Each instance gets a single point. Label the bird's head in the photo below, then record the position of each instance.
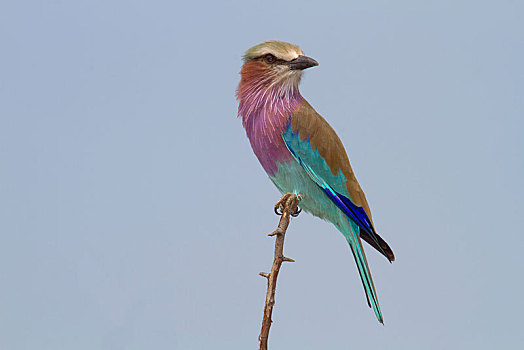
(274, 64)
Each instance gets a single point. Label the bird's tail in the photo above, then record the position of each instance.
(351, 232)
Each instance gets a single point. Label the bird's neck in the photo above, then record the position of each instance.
(267, 102)
(265, 106)
(264, 98)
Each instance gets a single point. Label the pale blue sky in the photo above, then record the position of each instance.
(133, 213)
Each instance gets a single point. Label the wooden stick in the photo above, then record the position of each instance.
(288, 207)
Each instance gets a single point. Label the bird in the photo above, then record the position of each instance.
(301, 153)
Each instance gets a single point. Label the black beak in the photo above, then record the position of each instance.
(302, 62)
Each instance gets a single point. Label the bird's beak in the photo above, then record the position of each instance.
(302, 62)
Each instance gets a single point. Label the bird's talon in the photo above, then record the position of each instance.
(287, 201)
(278, 209)
(295, 214)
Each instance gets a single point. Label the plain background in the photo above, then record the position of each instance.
(133, 214)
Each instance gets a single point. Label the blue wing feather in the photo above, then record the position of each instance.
(333, 185)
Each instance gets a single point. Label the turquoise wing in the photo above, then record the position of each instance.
(334, 186)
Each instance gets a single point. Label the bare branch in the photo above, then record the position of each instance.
(287, 206)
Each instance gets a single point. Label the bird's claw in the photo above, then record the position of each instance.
(295, 214)
(284, 202)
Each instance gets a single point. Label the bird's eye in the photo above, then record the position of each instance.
(270, 58)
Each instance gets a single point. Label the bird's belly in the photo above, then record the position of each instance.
(291, 177)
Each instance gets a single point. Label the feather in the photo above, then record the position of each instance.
(316, 145)
(350, 227)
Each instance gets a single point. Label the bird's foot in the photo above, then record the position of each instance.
(288, 200)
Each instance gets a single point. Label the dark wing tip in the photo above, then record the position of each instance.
(379, 245)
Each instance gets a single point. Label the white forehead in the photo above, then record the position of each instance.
(279, 49)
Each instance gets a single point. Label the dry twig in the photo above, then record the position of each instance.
(287, 206)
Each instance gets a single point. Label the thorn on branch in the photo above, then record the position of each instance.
(277, 232)
(288, 259)
(264, 274)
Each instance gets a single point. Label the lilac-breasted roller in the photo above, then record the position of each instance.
(301, 152)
